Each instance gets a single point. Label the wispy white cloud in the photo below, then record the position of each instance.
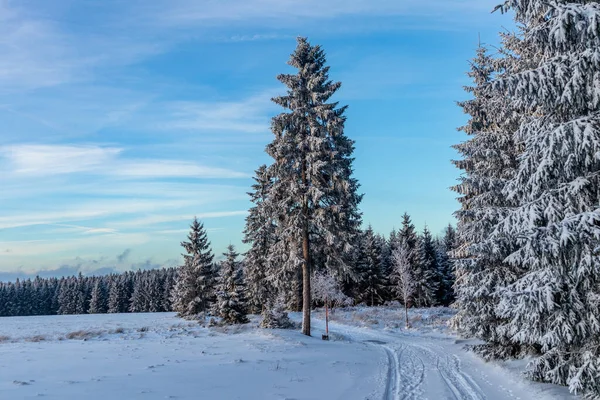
(257, 11)
(163, 218)
(33, 248)
(84, 229)
(181, 232)
(56, 214)
(43, 160)
(172, 169)
(57, 159)
(250, 114)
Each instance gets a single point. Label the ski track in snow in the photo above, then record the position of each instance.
(422, 367)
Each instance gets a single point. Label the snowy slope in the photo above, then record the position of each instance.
(158, 356)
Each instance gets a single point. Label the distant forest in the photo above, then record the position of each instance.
(155, 290)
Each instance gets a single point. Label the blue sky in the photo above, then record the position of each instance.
(121, 120)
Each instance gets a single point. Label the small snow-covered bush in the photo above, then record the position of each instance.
(276, 317)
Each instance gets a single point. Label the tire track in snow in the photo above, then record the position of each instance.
(406, 366)
(461, 385)
(392, 384)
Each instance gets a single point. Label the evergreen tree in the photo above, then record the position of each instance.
(137, 302)
(194, 285)
(118, 299)
(312, 198)
(426, 271)
(66, 298)
(445, 293)
(489, 160)
(231, 304)
(371, 283)
(407, 235)
(554, 304)
(274, 315)
(262, 280)
(98, 300)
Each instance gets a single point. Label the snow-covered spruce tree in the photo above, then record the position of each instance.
(98, 301)
(152, 285)
(274, 315)
(445, 293)
(231, 304)
(194, 285)
(370, 284)
(403, 275)
(66, 298)
(118, 301)
(406, 234)
(259, 233)
(488, 161)
(137, 302)
(425, 271)
(313, 197)
(554, 306)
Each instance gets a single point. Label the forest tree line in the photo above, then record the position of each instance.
(140, 291)
(177, 289)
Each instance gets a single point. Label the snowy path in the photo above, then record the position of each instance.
(421, 366)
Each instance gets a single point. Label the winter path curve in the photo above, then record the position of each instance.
(435, 366)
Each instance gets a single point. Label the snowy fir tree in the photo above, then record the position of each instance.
(274, 315)
(553, 306)
(194, 284)
(231, 304)
(118, 298)
(99, 300)
(408, 235)
(403, 275)
(371, 282)
(444, 246)
(488, 160)
(312, 199)
(425, 271)
(259, 233)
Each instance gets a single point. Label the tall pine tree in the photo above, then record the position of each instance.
(313, 199)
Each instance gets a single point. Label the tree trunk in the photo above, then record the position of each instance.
(299, 291)
(306, 300)
(306, 303)
(406, 311)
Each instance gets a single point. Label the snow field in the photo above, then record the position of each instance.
(158, 356)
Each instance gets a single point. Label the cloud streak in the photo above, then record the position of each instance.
(257, 11)
(44, 160)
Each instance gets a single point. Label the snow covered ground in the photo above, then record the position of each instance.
(158, 356)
